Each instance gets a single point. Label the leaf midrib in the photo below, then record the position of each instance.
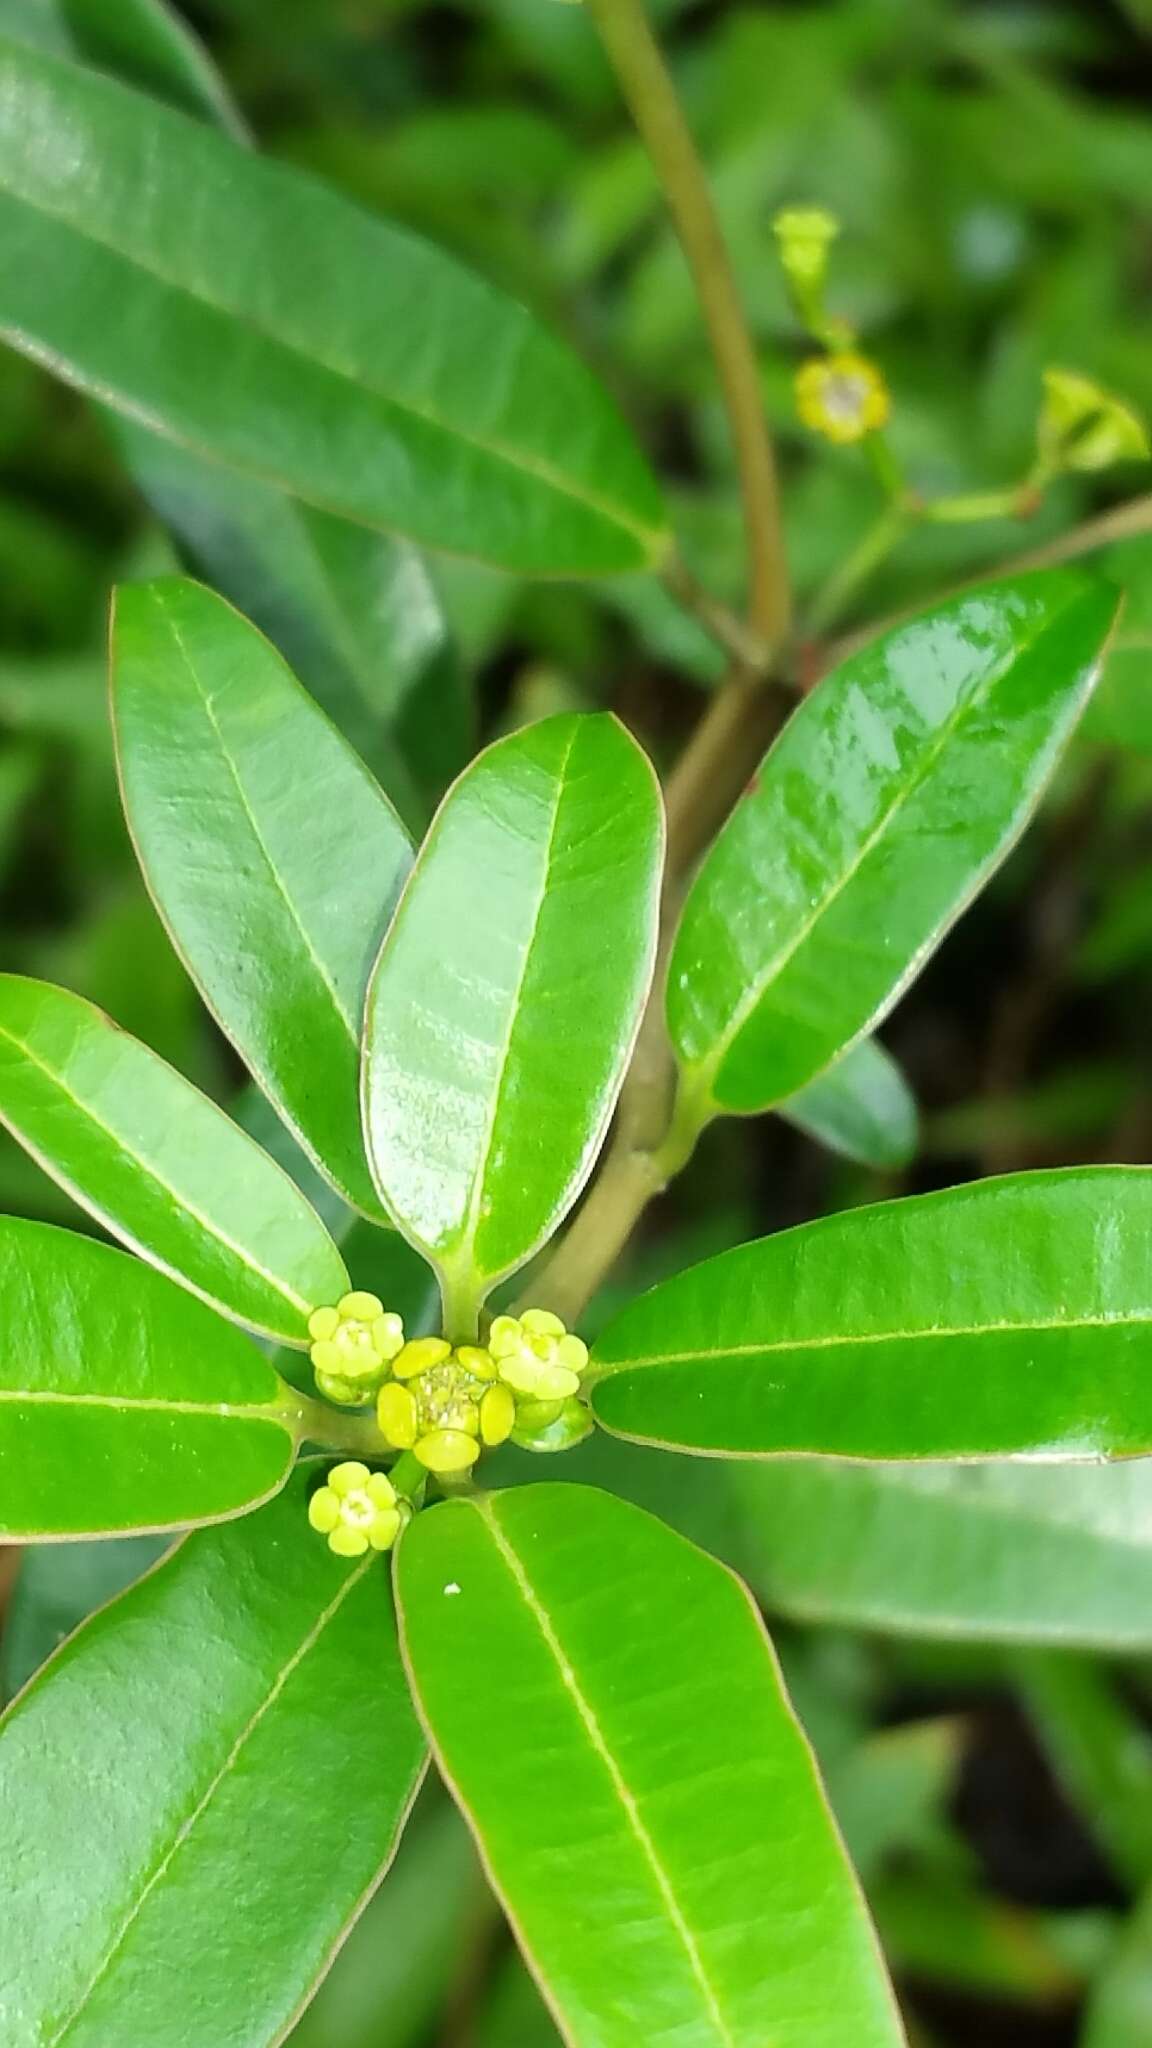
(240, 1411)
(772, 971)
(606, 1368)
(471, 1224)
(211, 1229)
(347, 1023)
(187, 1828)
(541, 471)
(629, 1803)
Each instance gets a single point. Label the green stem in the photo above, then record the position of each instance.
(1122, 522)
(335, 1429)
(885, 467)
(876, 544)
(409, 1477)
(728, 631)
(976, 506)
(460, 1305)
(647, 87)
(627, 1183)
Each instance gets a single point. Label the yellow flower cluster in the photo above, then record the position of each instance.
(445, 1405)
(442, 1403)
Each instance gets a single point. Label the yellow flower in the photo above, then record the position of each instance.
(844, 397)
(536, 1356)
(352, 1345)
(1082, 426)
(357, 1510)
(444, 1405)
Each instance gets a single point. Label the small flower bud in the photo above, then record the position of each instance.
(805, 235)
(357, 1510)
(536, 1356)
(1083, 427)
(352, 1345)
(557, 1427)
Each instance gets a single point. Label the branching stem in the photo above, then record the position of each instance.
(651, 96)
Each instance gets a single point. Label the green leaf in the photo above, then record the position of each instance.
(353, 612)
(239, 1724)
(1119, 2013)
(1099, 1750)
(273, 857)
(890, 796)
(123, 1404)
(292, 336)
(861, 1106)
(1011, 1317)
(507, 995)
(940, 1929)
(390, 1981)
(58, 1585)
(1010, 1551)
(141, 41)
(159, 1164)
(574, 1660)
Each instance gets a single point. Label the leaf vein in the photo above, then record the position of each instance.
(620, 1786)
(212, 1229)
(535, 466)
(282, 1678)
(346, 1021)
(607, 1367)
(772, 970)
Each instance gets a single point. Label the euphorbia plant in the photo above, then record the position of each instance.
(201, 1788)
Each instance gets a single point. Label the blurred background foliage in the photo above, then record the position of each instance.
(970, 1650)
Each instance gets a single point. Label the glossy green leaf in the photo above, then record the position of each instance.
(57, 1587)
(354, 613)
(238, 1728)
(123, 1403)
(272, 855)
(292, 336)
(143, 42)
(159, 1164)
(506, 999)
(1009, 1317)
(1007, 1552)
(351, 610)
(393, 1978)
(886, 802)
(574, 1662)
(861, 1106)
